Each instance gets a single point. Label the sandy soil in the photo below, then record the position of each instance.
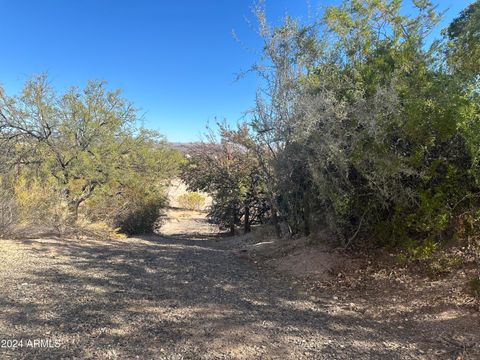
(190, 224)
(439, 315)
(188, 295)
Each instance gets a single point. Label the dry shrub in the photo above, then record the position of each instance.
(84, 228)
(191, 201)
(40, 205)
(475, 286)
(8, 212)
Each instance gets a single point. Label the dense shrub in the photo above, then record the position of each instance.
(141, 217)
(135, 208)
(228, 171)
(8, 211)
(362, 128)
(82, 155)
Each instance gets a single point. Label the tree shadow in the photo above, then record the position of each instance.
(154, 297)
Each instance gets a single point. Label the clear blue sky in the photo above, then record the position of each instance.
(176, 60)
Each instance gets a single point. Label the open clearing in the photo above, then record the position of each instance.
(179, 297)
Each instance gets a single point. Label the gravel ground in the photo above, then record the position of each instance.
(171, 298)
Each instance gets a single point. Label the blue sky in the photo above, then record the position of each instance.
(176, 60)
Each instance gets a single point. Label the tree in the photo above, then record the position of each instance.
(364, 132)
(464, 42)
(231, 175)
(75, 137)
(81, 142)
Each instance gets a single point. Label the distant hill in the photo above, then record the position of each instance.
(183, 147)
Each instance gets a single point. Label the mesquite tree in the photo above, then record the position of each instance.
(80, 145)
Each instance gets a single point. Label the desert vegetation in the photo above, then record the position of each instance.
(339, 219)
(79, 157)
(364, 134)
(191, 201)
(362, 127)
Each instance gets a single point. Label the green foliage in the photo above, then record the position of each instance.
(230, 173)
(475, 286)
(363, 129)
(82, 154)
(464, 41)
(141, 216)
(191, 201)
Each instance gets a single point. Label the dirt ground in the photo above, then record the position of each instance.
(439, 314)
(190, 294)
(191, 224)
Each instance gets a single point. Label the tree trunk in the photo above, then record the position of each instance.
(306, 217)
(276, 223)
(74, 203)
(73, 206)
(247, 228)
(274, 210)
(233, 221)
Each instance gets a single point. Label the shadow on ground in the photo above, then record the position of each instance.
(173, 297)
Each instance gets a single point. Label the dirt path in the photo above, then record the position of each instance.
(171, 298)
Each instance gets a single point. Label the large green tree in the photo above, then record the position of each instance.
(81, 142)
(361, 129)
(464, 41)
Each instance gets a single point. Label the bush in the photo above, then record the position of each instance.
(40, 204)
(134, 209)
(8, 212)
(475, 286)
(191, 201)
(105, 168)
(141, 218)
